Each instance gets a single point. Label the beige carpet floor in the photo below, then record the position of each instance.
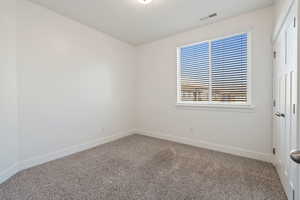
(143, 168)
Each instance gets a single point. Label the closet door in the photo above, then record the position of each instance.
(286, 138)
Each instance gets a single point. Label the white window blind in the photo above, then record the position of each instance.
(214, 71)
(195, 72)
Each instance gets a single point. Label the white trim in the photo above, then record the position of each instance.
(178, 74)
(9, 172)
(25, 164)
(215, 38)
(6, 174)
(216, 105)
(282, 175)
(207, 145)
(249, 69)
(210, 74)
(249, 74)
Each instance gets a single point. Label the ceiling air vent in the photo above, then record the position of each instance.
(209, 16)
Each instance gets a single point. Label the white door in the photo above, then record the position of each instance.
(280, 104)
(285, 106)
(292, 69)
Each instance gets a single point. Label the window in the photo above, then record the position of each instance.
(214, 72)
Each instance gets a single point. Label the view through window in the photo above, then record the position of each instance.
(214, 71)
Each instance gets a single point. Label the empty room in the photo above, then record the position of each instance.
(149, 100)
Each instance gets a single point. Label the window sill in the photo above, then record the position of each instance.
(221, 106)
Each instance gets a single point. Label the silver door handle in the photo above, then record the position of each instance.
(295, 156)
(278, 114)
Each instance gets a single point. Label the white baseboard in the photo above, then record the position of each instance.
(25, 164)
(203, 144)
(6, 174)
(282, 174)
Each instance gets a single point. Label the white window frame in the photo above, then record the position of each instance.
(247, 105)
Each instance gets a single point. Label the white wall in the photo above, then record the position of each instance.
(76, 84)
(8, 89)
(237, 131)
